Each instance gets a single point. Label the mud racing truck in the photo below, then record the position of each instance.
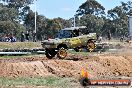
(69, 38)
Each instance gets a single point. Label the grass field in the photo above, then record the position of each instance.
(52, 82)
(19, 45)
(30, 45)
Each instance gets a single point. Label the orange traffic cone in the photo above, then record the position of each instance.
(84, 73)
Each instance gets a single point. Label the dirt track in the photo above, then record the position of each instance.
(98, 66)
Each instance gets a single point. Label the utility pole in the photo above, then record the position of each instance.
(35, 17)
(74, 20)
(35, 30)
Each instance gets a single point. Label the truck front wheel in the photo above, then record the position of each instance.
(50, 53)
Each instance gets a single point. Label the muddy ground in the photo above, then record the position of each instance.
(99, 65)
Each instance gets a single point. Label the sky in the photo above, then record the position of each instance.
(66, 8)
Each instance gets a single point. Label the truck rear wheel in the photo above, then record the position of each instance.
(62, 53)
(90, 46)
(50, 53)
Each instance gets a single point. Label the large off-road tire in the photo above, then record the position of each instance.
(50, 53)
(62, 53)
(90, 46)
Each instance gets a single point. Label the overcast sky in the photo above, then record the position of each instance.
(67, 8)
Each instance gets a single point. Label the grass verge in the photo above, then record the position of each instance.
(19, 45)
(54, 82)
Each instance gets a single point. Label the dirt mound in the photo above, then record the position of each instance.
(34, 68)
(118, 66)
(97, 66)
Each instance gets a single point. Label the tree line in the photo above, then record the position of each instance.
(17, 17)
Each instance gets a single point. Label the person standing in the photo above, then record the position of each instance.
(22, 37)
(34, 36)
(27, 36)
(109, 35)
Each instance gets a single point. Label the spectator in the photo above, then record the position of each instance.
(121, 39)
(0, 38)
(13, 39)
(97, 36)
(27, 36)
(109, 35)
(100, 39)
(22, 37)
(7, 38)
(34, 36)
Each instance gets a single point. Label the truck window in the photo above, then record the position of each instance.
(64, 34)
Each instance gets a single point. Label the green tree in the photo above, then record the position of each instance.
(22, 6)
(93, 23)
(91, 7)
(119, 17)
(9, 21)
(41, 24)
(11, 28)
(92, 14)
(8, 13)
